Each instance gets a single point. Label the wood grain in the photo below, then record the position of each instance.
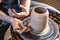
(54, 3)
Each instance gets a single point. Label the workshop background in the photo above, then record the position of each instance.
(54, 3)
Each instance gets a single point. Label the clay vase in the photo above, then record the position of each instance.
(39, 19)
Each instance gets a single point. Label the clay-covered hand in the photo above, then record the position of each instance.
(13, 13)
(18, 26)
(25, 6)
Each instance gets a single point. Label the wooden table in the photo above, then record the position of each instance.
(54, 3)
(59, 26)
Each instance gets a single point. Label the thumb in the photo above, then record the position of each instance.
(20, 31)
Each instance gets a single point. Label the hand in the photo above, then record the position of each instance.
(0, 1)
(18, 26)
(25, 6)
(22, 14)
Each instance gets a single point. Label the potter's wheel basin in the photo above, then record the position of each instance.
(52, 34)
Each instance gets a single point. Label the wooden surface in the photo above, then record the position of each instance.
(59, 26)
(54, 3)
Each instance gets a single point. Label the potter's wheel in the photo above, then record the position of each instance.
(29, 36)
(52, 34)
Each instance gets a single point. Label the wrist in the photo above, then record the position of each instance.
(11, 19)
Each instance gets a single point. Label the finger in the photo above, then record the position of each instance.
(16, 27)
(28, 29)
(10, 12)
(14, 11)
(21, 14)
(23, 7)
(21, 24)
(23, 27)
(21, 31)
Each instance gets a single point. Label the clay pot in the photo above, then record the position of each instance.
(39, 19)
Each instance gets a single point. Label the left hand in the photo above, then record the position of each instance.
(13, 13)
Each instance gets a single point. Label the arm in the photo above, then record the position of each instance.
(16, 24)
(26, 3)
(5, 17)
(25, 9)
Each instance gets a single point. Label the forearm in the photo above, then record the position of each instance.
(26, 3)
(5, 17)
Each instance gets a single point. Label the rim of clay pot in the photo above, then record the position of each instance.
(40, 10)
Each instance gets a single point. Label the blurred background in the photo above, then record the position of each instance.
(54, 3)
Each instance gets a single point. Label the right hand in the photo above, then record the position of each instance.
(18, 26)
